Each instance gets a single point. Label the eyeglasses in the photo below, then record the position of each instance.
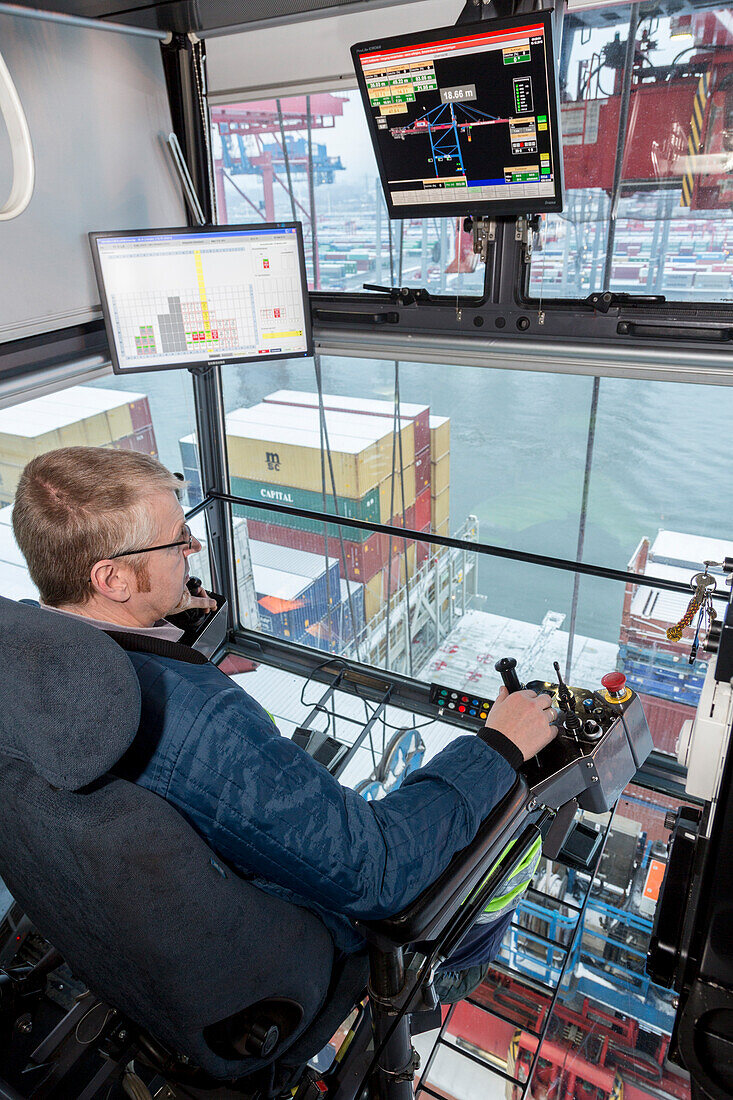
(187, 541)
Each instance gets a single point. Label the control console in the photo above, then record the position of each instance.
(602, 739)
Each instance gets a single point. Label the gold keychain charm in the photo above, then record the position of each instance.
(700, 583)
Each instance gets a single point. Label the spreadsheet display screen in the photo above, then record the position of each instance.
(188, 297)
(465, 119)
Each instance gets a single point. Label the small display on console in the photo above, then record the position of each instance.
(464, 119)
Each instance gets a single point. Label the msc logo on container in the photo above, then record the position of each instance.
(272, 458)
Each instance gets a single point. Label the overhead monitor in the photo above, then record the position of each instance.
(197, 297)
(465, 119)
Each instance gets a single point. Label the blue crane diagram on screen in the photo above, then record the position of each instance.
(445, 125)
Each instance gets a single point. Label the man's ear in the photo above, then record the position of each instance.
(110, 580)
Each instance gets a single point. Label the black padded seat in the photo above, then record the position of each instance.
(116, 879)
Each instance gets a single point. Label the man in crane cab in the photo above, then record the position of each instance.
(105, 539)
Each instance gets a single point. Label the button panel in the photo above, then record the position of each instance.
(460, 703)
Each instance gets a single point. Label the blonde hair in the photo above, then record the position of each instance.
(78, 505)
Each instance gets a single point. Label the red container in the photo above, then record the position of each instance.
(363, 560)
(422, 470)
(144, 441)
(422, 509)
(423, 548)
(140, 413)
(422, 432)
(409, 522)
(664, 718)
(124, 443)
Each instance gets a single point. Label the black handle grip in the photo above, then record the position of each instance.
(507, 666)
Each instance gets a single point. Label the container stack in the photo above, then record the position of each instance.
(440, 474)
(416, 517)
(296, 590)
(82, 416)
(655, 667)
(276, 456)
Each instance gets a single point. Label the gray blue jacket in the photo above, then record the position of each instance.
(281, 819)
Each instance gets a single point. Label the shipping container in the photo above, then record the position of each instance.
(407, 520)
(190, 451)
(665, 720)
(292, 457)
(242, 555)
(440, 475)
(120, 422)
(360, 560)
(142, 441)
(439, 437)
(372, 431)
(441, 529)
(140, 413)
(325, 584)
(21, 440)
(422, 471)
(439, 510)
(81, 416)
(373, 596)
(422, 510)
(391, 490)
(335, 631)
(423, 549)
(285, 602)
(367, 508)
(356, 592)
(193, 487)
(404, 561)
(419, 414)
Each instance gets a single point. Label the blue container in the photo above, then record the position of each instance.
(324, 589)
(195, 492)
(286, 601)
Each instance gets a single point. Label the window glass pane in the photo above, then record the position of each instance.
(609, 1032)
(650, 509)
(145, 412)
(667, 228)
(355, 242)
(507, 467)
(460, 475)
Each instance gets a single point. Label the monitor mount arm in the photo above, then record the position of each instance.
(484, 229)
(476, 10)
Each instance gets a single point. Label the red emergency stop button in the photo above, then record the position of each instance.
(615, 685)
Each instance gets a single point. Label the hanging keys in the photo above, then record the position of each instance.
(703, 586)
(707, 615)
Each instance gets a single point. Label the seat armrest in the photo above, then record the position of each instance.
(428, 914)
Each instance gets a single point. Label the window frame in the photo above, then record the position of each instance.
(506, 312)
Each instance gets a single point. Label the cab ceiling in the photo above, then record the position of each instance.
(207, 16)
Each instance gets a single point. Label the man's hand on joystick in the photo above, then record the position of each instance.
(525, 718)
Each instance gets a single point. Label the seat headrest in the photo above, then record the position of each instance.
(69, 695)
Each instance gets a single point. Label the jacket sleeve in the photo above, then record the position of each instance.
(272, 811)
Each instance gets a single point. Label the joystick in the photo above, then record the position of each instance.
(602, 736)
(507, 667)
(565, 699)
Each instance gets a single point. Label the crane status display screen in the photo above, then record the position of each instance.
(196, 297)
(464, 119)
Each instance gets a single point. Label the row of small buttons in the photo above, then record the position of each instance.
(464, 704)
